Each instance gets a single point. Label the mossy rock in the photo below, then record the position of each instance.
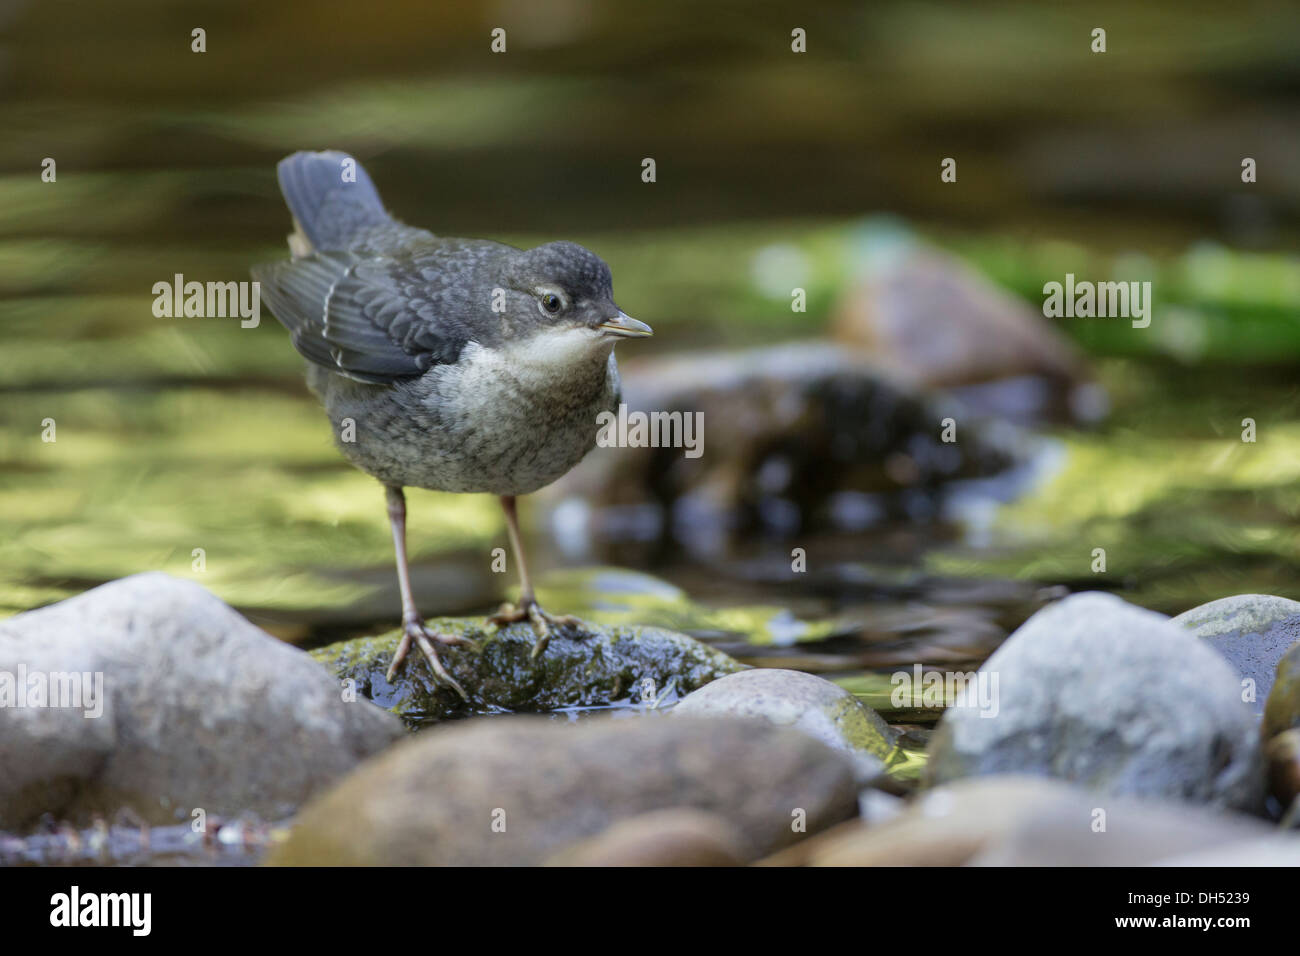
(1282, 709)
(586, 666)
(806, 702)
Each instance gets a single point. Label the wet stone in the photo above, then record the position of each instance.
(1252, 631)
(789, 698)
(588, 666)
(1114, 697)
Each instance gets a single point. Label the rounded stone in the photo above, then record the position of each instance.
(199, 709)
(795, 699)
(1114, 697)
(518, 790)
(1282, 709)
(1252, 631)
(676, 837)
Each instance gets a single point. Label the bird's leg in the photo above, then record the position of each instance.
(527, 608)
(413, 626)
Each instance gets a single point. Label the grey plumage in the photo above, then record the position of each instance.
(437, 349)
(329, 207)
(458, 365)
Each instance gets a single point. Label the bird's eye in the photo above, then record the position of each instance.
(551, 303)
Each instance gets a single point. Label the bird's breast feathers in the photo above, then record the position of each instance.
(552, 373)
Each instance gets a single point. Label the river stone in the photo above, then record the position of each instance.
(1283, 755)
(200, 710)
(676, 837)
(1253, 631)
(1282, 709)
(1014, 820)
(1264, 851)
(517, 790)
(589, 666)
(795, 699)
(937, 323)
(1112, 696)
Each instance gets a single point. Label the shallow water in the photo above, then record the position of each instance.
(191, 445)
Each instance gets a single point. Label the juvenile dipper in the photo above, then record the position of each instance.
(459, 365)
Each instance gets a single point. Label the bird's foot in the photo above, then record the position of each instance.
(415, 630)
(544, 625)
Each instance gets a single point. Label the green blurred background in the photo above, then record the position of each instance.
(176, 434)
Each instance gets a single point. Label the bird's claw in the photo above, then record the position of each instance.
(418, 632)
(543, 624)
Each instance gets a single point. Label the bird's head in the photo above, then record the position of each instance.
(566, 293)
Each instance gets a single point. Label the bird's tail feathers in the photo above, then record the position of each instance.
(331, 198)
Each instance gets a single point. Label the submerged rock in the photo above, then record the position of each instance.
(1253, 631)
(519, 790)
(198, 709)
(591, 666)
(1112, 696)
(795, 699)
(786, 432)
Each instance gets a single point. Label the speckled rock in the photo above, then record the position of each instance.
(795, 699)
(1253, 632)
(590, 666)
(1114, 697)
(518, 790)
(199, 709)
(1282, 709)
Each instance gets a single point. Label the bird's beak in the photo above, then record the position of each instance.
(624, 324)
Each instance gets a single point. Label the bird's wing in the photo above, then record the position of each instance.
(372, 319)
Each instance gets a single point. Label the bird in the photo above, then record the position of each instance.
(457, 365)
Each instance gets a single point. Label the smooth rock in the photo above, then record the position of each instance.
(1282, 709)
(1112, 696)
(677, 837)
(1252, 631)
(795, 699)
(1024, 821)
(200, 709)
(1283, 755)
(1264, 851)
(1137, 832)
(937, 323)
(876, 806)
(516, 790)
(590, 666)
